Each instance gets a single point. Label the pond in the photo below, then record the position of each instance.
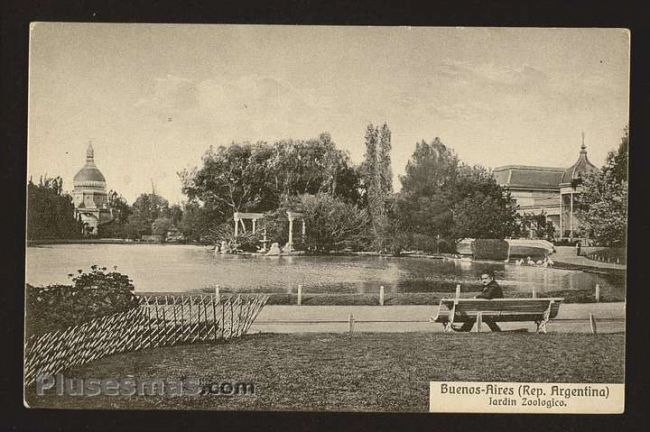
(185, 268)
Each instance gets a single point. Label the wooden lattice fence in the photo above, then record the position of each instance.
(158, 321)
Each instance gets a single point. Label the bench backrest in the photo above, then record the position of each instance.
(515, 305)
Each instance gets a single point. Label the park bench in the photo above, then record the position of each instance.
(463, 310)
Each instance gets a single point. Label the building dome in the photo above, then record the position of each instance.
(89, 173)
(577, 171)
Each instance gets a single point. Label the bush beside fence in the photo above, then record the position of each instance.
(94, 294)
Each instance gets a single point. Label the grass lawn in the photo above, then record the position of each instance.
(360, 372)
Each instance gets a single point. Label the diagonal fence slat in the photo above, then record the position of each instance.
(156, 321)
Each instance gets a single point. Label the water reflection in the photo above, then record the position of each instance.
(186, 268)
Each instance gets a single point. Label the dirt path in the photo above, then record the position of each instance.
(572, 318)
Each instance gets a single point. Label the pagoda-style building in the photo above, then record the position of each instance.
(90, 197)
(570, 190)
(552, 191)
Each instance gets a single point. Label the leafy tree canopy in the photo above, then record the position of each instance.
(443, 198)
(603, 204)
(245, 177)
(50, 211)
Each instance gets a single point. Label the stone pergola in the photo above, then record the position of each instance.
(240, 217)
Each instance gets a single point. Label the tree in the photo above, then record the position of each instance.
(311, 167)
(121, 212)
(145, 210)
(617, 162)
(385, 170)
(121, 209)
(175, 214)
(424, 205)
(160, 226)
(602, 206)
(136, 227)
(377, 179)
(441, 198)
(430, 170)
(232, 179)
(482, 216)
(534, 226)
(332, 224)
(199, 223)
(261, 177)
(481, 208)
(150, 206)
(50, 211)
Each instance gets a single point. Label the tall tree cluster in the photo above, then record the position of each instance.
(346, 206)
(50, 211)
(245, 177)
(602, 207)
(442, 198)
(377, 178)
(149, 214)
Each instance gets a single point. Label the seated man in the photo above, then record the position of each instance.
(491, 290)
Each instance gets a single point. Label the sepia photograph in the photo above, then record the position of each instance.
(326, 218)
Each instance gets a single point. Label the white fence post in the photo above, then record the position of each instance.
(592, 322)
(381, 295)
(299, 295)
(457, 291)
(597, 292)
(217, 296)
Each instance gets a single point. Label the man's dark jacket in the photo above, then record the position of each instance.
(490, 291)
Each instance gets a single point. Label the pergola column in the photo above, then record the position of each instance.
(290, 230)
(291, 216)
(241, 217)
(571, 219)
(561, 214)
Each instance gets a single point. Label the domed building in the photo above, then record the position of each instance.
(548, 190)
(89, 196)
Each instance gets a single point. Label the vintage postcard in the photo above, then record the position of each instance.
(316, 218)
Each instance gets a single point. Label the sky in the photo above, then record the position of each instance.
(152, 98)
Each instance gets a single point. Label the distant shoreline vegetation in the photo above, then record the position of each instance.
(344, 206)
(93, 241)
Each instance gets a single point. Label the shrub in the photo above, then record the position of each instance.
(490, 249)
(565, 242)
(398, 243)
(424, 243)
(333, 224)
(446, 246)
(249, 242)
(93, 294)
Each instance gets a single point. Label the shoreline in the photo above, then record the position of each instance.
(594, 267)
(31, 243)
